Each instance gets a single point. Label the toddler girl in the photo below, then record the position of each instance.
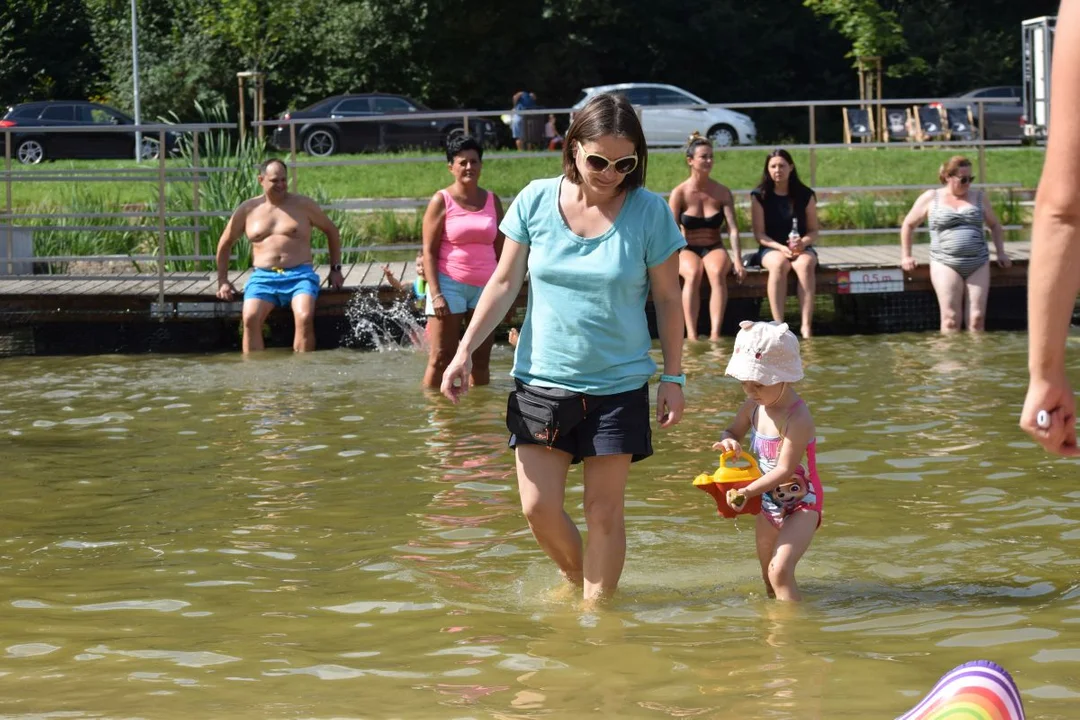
(781, 432)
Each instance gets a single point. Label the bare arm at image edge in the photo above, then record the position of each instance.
(1054, 272)
(233, 231)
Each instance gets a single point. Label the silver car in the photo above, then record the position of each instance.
(666, 123)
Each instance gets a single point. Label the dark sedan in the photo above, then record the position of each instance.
(31, 144)
(324, 136)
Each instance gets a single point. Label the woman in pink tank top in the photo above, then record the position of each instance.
(462, 244)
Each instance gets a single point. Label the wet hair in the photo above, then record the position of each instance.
(457, 144)
(950, 166)
(696, 141)
(265, 165)
(767, 186)
(606, 114)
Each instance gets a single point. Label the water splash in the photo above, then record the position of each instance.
(376, 326)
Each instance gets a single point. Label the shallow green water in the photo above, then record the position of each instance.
(314, 537)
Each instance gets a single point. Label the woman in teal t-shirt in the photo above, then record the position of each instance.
(595, 243)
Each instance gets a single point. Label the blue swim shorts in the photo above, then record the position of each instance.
(460, 298)
(280, 285)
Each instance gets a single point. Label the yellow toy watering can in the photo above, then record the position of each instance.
(729, 477)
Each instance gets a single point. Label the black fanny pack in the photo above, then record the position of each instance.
(543, 414)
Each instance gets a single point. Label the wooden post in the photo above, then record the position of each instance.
(292, 153)
(259, 115)
(465, 124)
(243, 102)
(161, 221)
(982, 142)
(7, 202)
(881, 108)
(195, 197)
(813, 142)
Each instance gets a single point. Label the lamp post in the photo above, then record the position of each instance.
(135, 79)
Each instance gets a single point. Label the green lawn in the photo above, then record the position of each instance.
(506, 174)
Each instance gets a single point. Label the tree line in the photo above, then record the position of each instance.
(476, 54)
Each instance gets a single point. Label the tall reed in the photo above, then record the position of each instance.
(78, 236)
(233, 178)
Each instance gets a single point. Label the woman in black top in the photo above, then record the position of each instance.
(701, 206)
(779, 199)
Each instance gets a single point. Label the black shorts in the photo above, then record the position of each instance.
(702, 250)
(614, 425)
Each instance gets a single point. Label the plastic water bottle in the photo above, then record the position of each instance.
(793, 236)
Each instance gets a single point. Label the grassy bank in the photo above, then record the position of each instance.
(506, 174)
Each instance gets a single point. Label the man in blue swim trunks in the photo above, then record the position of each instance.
(278, 224)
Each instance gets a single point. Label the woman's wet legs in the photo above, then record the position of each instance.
(444, 334)
(541, 476)
(805, 266)
(778, 267)
(691, 270)
(605, 552)
(717, 268)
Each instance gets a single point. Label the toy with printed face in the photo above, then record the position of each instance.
(791, 492)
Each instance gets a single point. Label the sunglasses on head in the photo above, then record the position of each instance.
(965, 179)
(599, 163)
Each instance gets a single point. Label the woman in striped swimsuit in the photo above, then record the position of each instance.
(959, 258)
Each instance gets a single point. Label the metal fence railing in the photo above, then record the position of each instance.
(810, 106)
(162, 174)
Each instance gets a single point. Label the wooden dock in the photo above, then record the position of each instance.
(122, 310)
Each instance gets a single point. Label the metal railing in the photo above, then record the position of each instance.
(163, 175)
(811, 106)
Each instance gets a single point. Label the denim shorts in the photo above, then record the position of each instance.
(460, 298)
(281, 285)
(615, 425)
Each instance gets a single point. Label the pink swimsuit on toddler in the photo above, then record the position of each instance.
(776, 506)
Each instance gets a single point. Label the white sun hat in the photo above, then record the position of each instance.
(766, 353)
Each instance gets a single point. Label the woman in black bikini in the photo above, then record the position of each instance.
(701, 205)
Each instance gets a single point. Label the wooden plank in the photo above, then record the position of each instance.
(373, 270)
(49, 287)
(17, 287)
(98, 287)
(69, 286)
(347, 273)
(140, 287)
(62, 289)
(190, 286)
(240, 280)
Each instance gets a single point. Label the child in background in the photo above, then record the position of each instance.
(551, 134)
(419, 286)
(781, 432)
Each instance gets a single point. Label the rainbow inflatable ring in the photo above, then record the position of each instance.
(978, 690)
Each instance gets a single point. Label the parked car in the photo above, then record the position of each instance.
(1002, 117)
(30, 145)
(323, 136)
(666, 124)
